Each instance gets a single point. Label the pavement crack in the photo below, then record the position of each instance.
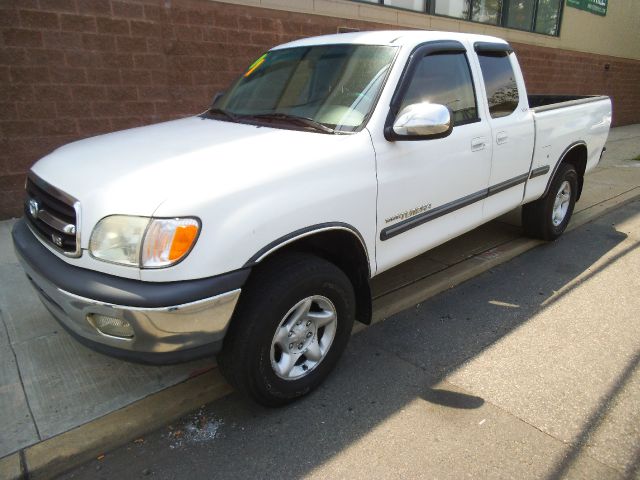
(24, 470)
(37, 337)
(24, 391)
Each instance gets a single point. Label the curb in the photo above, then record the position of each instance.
(51, 457)
(10, 467)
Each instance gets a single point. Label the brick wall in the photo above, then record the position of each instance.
(75, 68)
(548, 70)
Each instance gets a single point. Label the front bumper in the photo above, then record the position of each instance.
(171, 321)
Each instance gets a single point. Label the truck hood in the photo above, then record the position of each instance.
(134, 171)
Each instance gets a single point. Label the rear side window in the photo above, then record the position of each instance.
(500, 83)
(444, 79)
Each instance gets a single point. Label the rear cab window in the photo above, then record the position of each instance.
(500, 83)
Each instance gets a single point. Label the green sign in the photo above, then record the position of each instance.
(599, 7)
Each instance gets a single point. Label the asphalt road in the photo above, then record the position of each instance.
(530, 370)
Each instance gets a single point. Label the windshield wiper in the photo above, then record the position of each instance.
(307, 122)
(222, 111)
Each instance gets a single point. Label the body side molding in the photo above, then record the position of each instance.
(506, 185)
(537, 172)
(425, 217)
(450, 207)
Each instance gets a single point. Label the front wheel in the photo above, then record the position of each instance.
(548, 217)
(292, 324)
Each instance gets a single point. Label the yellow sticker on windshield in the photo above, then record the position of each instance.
(255, 65)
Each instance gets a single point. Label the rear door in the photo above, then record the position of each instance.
(431, 190)
(512, 127)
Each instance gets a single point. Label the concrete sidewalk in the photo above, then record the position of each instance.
(50, 384)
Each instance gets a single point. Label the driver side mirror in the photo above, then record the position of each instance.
(421, 121)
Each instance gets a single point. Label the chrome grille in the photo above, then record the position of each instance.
(53, 216)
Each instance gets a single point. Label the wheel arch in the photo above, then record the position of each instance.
(336, 242)
(576, 154)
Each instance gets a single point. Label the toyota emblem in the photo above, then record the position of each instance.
(34, 207)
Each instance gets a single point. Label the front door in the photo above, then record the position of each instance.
(430, 191)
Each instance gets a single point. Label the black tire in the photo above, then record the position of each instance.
(273, 289)
(537, 217)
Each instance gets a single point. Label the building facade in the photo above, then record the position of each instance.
(76, 68)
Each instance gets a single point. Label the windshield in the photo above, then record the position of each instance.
(332, 85)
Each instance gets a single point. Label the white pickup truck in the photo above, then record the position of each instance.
(252, 230)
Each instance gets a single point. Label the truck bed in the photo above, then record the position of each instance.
(542, 103)
(563, 122)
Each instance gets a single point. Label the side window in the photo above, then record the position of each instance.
(444, 79)
(500, 83)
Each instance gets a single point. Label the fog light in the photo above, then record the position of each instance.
(111, 326)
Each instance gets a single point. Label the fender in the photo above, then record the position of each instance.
(562, 157)
(305, 232)
(358, 276)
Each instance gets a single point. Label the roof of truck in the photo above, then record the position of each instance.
(390, 37)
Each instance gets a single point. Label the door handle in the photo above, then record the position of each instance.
(478, 143)
(501, 138)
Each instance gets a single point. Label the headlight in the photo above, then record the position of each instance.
(143, 242)
(117, 239)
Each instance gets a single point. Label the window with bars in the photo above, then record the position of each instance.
(539, 16)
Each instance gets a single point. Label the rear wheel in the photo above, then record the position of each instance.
(292, 324)
(548, 217)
